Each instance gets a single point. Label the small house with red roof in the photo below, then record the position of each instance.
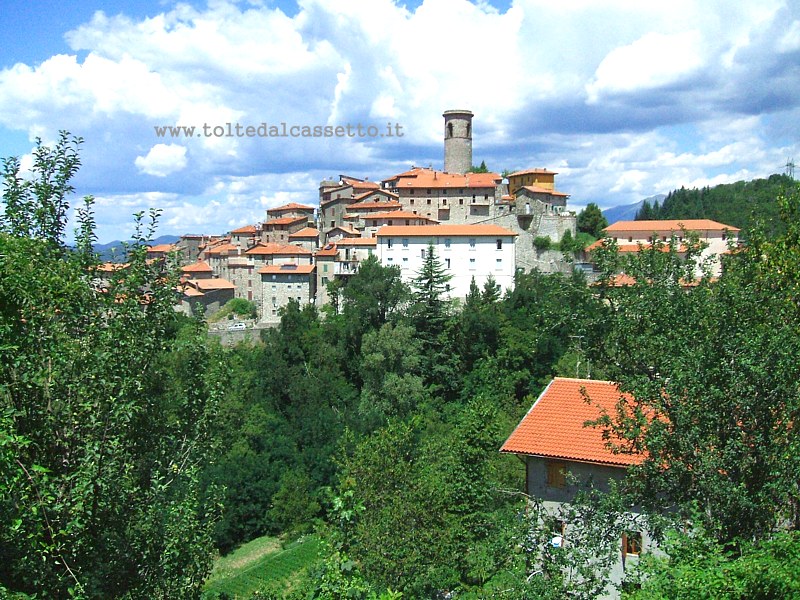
(563, 452)
(283, 283)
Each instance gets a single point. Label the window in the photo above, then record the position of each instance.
(429, 200)
(630, 238)
(405, 242)
(461, 201)
(447, 243)
(556, 474)
(447, 263)
(632, 543)
(499, 244)
(274, 287)
(333, 223)
(429, 193)
(408, 222)
(390, 259)
(499, 264)
(412, 202)
(389, 221)
(374, 223)
(471, 264)
(325, 268)
(422, 253)
(389, 243)
(324, 281)
(486, 196)
(444, 201)
(472, 243)
(274, 301)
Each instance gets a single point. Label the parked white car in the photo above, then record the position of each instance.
(237, 326)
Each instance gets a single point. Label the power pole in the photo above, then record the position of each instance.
(790, 167)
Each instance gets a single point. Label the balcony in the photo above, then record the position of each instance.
(345, 267)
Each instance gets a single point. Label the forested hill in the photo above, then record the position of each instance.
(741, 204)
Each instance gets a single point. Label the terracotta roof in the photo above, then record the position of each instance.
(284, 221)
(190, 291)
(286, 268)
(198, 267)
(533, 172)
(378, 192)
(428, 178)
(555, 426)
(669, 225)
(306, 232)
(359, 184)
(329, 250)
(162, 248)
(360, 241)
(213, 284)
(634, 247)
(348, 229)
(245, 229)
(440, 230)
(261, 249)
(290, 206)
(219, 249)
(367, 205)
(535, 189)
(110, 267)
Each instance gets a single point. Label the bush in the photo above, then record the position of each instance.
(542, 243)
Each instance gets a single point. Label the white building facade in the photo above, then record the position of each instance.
(466, 251)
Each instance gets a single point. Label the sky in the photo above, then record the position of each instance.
(624, 99)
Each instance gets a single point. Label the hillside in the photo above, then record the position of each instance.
(741, 204)
(114, 251)
(627, 212)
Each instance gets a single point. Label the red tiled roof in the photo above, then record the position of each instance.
(290, 206)
(377, 192)
(162, 248)
(198, 267)
(634, 247)
(306, 232)
(428, 178)
(555, 426)
(533, 172)
(329, 250)
(367, 205)
(245, 229)
(284, 221)
(535, 189)
(669, 225)
(440, 230)
(219, 249)
(359, 241)
(262, 249)
(213, 284)
(286, 268)
(359, 184)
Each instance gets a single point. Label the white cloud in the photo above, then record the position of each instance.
(162, 160)
(624, 98)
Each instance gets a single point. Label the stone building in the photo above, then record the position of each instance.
(457, 141)
(282, 283)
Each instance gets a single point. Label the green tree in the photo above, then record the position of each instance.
(591, 220)
(482, 168)
(106, 410)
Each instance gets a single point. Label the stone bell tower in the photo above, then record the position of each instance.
(457, 141)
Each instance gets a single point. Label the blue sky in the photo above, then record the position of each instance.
(624, 99)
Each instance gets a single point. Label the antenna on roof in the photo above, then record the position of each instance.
(790, 167)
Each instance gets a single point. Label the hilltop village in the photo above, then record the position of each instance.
(480, 224)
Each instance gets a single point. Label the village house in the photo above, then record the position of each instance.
(282, 283)
(563, 454)
(307, 238)
(631, 236)
(466, 252)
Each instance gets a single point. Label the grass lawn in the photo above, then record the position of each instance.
(259, 562)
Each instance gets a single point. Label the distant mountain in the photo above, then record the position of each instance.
(113, 251)
(628, 212)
